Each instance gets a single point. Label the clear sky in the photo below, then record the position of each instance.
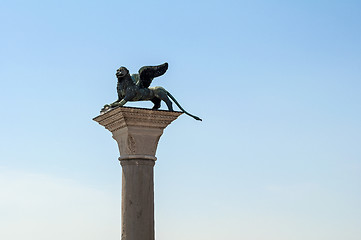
(277, 83)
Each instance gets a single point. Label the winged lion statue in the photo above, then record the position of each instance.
(135, 87)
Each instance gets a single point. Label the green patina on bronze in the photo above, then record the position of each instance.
(136, 88)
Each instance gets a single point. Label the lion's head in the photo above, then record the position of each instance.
(121, 72)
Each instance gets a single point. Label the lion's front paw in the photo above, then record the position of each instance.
(105, 108)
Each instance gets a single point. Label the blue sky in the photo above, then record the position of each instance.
(277, 84)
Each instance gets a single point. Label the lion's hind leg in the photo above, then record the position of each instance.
(169, 103)
(156, 102)
(161, 93)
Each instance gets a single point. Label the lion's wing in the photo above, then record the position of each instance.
(148, 73)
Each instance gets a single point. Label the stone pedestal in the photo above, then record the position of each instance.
(137, 132)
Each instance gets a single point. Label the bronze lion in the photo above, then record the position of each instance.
(135, 87)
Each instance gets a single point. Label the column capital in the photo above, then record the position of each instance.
(136, 130)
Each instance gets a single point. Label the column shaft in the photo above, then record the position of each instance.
(137, 200)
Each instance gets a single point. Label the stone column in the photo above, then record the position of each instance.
(137, 132)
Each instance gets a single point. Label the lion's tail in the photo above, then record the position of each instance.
(180, 107)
